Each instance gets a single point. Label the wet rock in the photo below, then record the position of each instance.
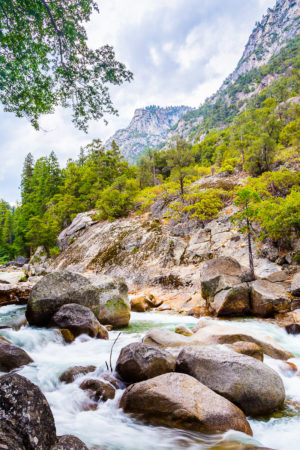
(182, 329)
(248, 349)
(99, 389)
(288, 368)
(269, 298)
(70, 374)
(24, 407)
(139, 304)
(68, 442)
(12, 357)
(234, 302)
(79, 320)
(138, 362)
(250, 384)
(111, 380)
(218, 274)
(67, 335)
(57, 289)
(293, 328)
(295, 287)
(14, 294)
(180, 401)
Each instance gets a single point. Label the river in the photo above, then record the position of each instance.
(108, 427)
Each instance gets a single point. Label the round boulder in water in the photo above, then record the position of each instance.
(57, 289)
(178, 400)
(12, 357)
(25, 409)
(68, 442)
(79, 320)
(138, 362)
(69, 375)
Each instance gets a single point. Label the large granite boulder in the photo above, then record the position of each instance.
(232, 302)
(180, 401)
(68, 442)
(250, 384)
(9, 439)
(25, 409)
(57, 289)
(218, 274)
(138, 362)
(12, 357)
(269, 298)
(295, 287)
(69, 375)
(79, 320)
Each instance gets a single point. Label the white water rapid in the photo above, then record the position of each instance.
(108, 427)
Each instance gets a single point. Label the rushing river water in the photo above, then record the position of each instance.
(108, 427)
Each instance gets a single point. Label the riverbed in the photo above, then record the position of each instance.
(108, 427)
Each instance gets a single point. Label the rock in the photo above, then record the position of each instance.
(248, 349)
(182, 329)
(139, 304)
(9, 439)
(79, 320)
(277, 277)
(18, 262)
(293, 328)
(24, 407)
(269, 298)
(111, 379)
(11, 294)
(57, 289)
(68, 442)
(138, 362)
(250, 384)
(67, 335)
(80, 222)
(165, 338)
(218, 274)
(99, 389)
(295, 287)
(288, 368)
(114, 303)
(180, 401)
(153, 302)
(234, 302)
(70, 374)
(12, 357)
(11, 277)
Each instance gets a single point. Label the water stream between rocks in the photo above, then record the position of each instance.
(108, 427)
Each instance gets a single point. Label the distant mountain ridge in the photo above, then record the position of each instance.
(154, 126)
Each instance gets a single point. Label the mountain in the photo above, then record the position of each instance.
(148, 128)
(271, 52)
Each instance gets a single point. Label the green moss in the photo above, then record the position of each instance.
(117, 304)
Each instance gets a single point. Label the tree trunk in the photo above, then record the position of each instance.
(251, 263)
(181, 187)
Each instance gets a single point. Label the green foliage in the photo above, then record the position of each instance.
(45, 61)
(205, 205)
(42, 233)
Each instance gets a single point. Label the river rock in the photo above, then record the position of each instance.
(24, 407)
(9, 439)
(180, 401)
(12, 357)
(99, 389)
(295, 287)
(182, 329)
(232, 302)
(250, 384)
(79, 320)
(138, 362)
(11, 294)
(139, 304)
(57, 289)
(248, 349)
(218, 274)
(69, 375)
(269, 298)
(68, 442)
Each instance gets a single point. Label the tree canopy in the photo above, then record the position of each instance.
(45, 61)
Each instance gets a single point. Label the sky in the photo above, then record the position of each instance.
(179, 51)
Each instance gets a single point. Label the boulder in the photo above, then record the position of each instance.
(166, 338)
(68, 442)
(69, 375)
(295, 287)
(248, 349)
(233, 302)
(24, 407)
(11, 277)
(12, 357)
(9, 439)
(138, 362)
(250, 384)
(79, 320)
(293, 328)
(269, 298)
(180, 401)
(218, 274)
(57, 289)
(139, 304)
(99, 389)
(67, 336)
(182, 329)
(11, 294)
(18, 262)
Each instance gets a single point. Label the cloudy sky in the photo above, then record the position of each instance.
(180, 51)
